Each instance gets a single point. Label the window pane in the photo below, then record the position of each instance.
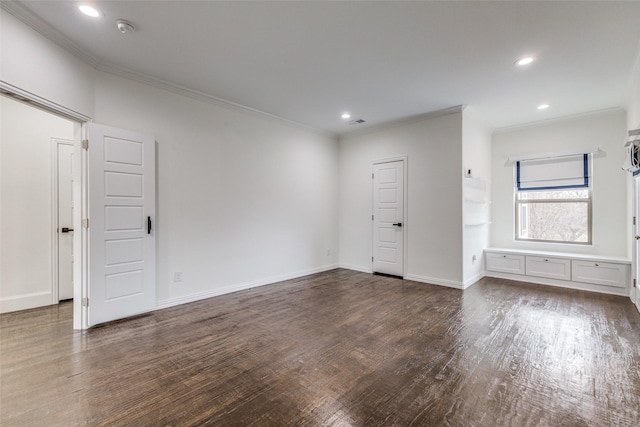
(563, 222)
(564, 194)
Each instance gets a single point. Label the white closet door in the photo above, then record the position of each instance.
(64, 181)
(388, 214)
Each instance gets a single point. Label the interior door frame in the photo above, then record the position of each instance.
(634, 294)
(55, 143)
(405, 202)
(79, 192)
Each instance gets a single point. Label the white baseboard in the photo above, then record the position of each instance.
(275, 279)
(25, 302)
(356, 268)
(634, 296)
(416, 278)
(435, 281)
(240, 287)
(472, 280)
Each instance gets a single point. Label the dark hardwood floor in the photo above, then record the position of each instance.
(339, 348)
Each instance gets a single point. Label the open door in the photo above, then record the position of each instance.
(121, 221)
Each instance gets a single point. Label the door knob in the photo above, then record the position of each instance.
(637, 237)
(66, 229)
(397, 224)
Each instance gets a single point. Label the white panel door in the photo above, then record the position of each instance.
(64, 181)
(121, 224)
(388, 218)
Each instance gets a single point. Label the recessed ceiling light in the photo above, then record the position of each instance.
(543, 106)
(346, 116)
(89, 10)
(525, 60)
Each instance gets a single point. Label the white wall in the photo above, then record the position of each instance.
(476, 155)
(633, 107)
(434, 221)
(37, 65)
(242, 200)
(605, 130)
(26, 228)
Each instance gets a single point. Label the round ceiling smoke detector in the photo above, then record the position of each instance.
(125, 26)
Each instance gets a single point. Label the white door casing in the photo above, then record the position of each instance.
(65, 226)
(635, 293)
(389, 217)
(121, 236)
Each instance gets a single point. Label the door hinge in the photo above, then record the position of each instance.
(634, 283)
(85, 302)
(372, 176)
(371, 259)
(634, 220)
(371, 217)
(85, 223)
(85, 144)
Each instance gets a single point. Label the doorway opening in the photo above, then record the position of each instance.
(37, 260)
(93, 172)
(63, 205)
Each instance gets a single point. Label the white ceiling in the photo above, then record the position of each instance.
(382, 61)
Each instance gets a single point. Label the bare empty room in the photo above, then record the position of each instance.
(319, 213)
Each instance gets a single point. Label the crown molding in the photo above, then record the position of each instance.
(205, 97)
(403, 121)
(39, 25)
(24, 15)
(547, 122)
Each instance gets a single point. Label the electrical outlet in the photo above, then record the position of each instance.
(177, 276)
(473, 259)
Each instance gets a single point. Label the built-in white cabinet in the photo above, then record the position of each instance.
(505, 263)
(553, 268)
(601, 274)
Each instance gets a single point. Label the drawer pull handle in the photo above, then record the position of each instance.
(546, 260)
(597, 265)
(504, 256)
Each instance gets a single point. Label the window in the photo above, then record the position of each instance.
(553, 200)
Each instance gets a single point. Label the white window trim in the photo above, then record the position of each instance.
(588, 200)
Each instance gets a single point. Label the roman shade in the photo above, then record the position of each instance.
(554, 173)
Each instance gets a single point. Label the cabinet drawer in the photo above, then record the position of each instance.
(513, 264)
(554, 268)
(599, 273)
